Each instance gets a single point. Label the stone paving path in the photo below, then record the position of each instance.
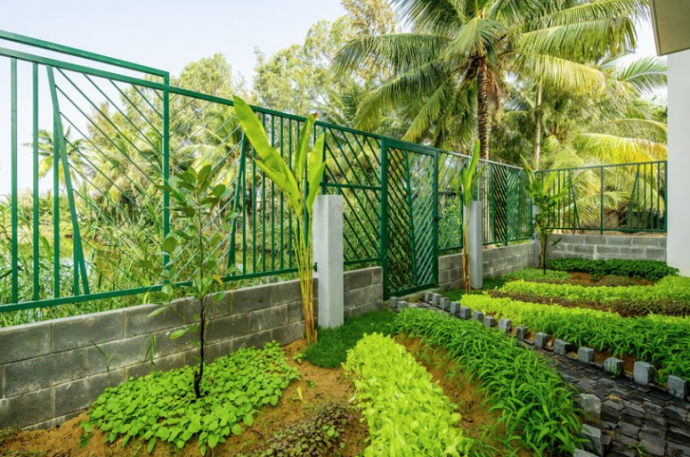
(635, 421)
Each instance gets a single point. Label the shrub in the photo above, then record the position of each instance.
(162, 405)
(407, 414)
(646, 269)
(661, 340)
(532, 274)
(670, 288)
(537, 408)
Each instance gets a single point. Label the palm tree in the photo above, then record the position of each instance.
(456, 60)
(77, 154)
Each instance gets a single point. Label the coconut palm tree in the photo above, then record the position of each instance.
(459, 54)
(77, 154)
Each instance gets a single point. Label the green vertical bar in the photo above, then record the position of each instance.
(36, 227)
(232, 255)
(601, 197)
(436, 218)
(15, 204)
(383, 221)
(166, 161)
(59, 144)
(282, 199)
(413, 251)
(665, 195)
(56, 213)
(273, 195)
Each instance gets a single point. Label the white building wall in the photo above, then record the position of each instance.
(679, 161)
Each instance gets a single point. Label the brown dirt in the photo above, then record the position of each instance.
(580, 278)
(461, 389)
(318, 386)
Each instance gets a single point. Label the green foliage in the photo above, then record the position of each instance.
(162, 406)
(675, 288)
(661, 340)
(330, 351)
(529, 274)
(646, 269)
(547, 201)
(537, 408)
(407, 414)
(321, 434)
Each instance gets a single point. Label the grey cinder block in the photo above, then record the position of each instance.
(489, 321)
(521, 332)
(585, 354)
(541, 339)
(436, 300)
(561, 347)
(402, 304)
(393, 302)
(454, 307)
(613, 366)
(24, 342)
(592, 437)
(592, 406)
(428, 296)
(465, 312)
(478, 316)
(505, 324)
(643, 373)
(678, 387)
(445, 303)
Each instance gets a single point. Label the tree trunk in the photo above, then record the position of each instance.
(483, 110)
(537, 127)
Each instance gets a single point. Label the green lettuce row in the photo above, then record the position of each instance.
(537, 408)
(648, 269)
(661, 340)
(407, 414)
(675, 288)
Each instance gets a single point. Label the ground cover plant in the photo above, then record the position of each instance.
(661, 340)
(537, 409)
(625, 308)
(647, 269)
(162, 406)
(674, 288)
(330, 351)
(532, 274)
(318, 435)
(407, 414)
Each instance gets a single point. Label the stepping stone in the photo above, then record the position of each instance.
(592, 407)
(521, 332)
(613, 366)
(478, 316)
(561, 347)
(541, 339)
(402, 304)
(489, 321)
(592, 436)
(465, 313)
(445, 303)
(678, 387)
(454, 307)
(393, 302)
(436, 300)
(505, 325)
(428, 296)
(643, 373)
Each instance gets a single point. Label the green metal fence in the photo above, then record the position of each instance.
(91, 137)
(612, 198)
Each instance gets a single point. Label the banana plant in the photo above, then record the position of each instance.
(539, 190)
(464, 186)
(300, 187)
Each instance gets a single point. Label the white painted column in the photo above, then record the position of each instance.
(327, 233)
(476, 240)
(678, 210)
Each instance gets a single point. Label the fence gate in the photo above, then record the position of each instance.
(410, 218)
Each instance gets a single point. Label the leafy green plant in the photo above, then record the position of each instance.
(670, 288)
(540, 190)
(163, 407)
(537, 409)
(661, 340)
(646, 269)
(407, 414)
(321, 434)
(331, 349)
(529, 274)
(465, 187)
(300, 186)
(197, 203)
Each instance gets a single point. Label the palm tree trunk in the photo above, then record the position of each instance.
(483, 110)
(537, 127)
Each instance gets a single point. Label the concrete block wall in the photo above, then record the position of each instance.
(450, 271)
(499, 261)
(606, 247)
(50, 371)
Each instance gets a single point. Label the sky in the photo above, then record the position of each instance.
(162, 34)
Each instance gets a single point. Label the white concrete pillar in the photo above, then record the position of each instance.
(327, 233)
(678, 247)
(476, 241)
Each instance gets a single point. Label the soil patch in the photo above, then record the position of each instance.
(317, 386)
